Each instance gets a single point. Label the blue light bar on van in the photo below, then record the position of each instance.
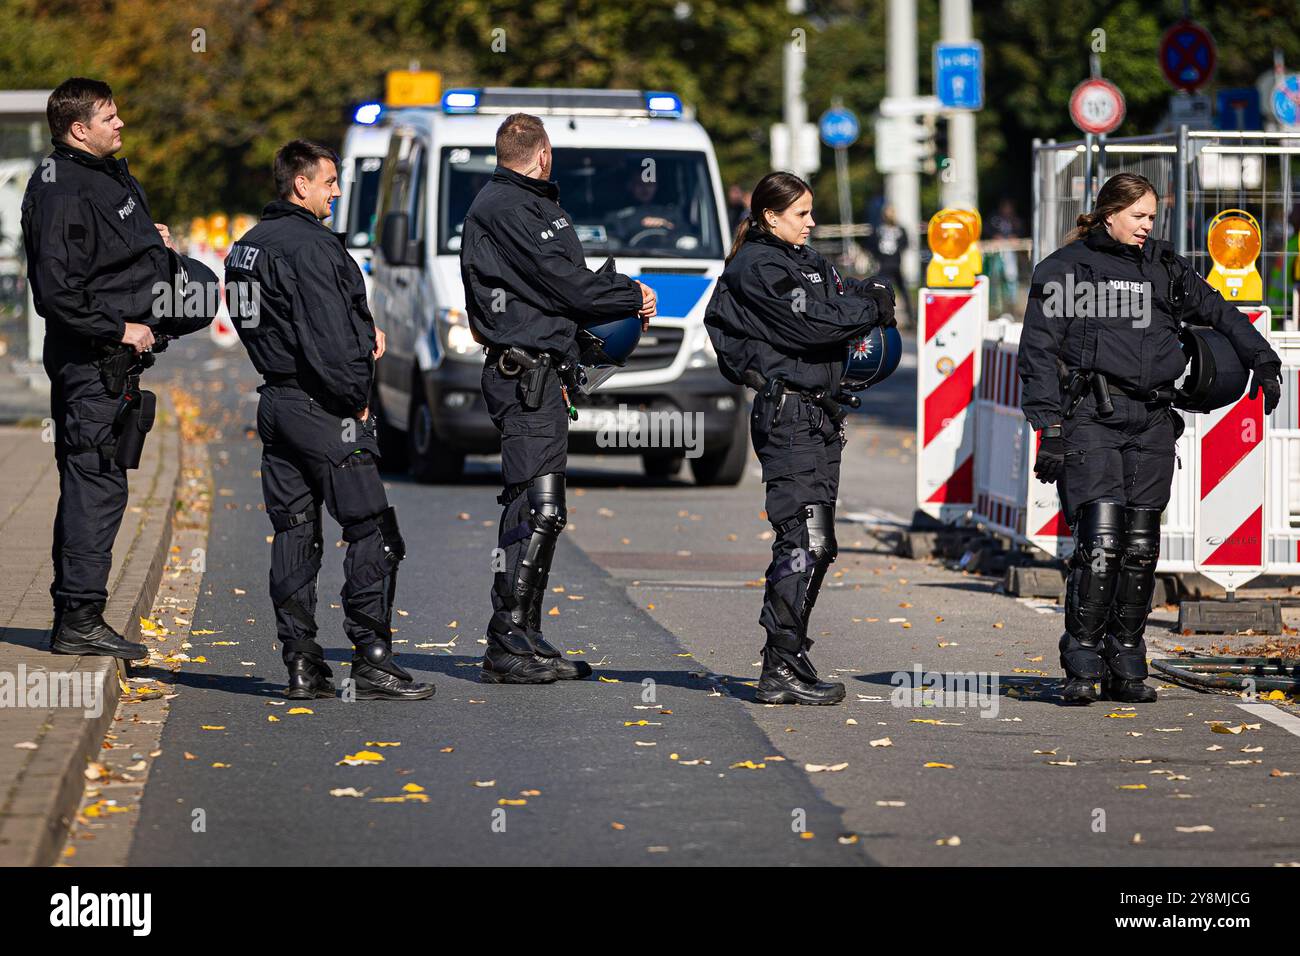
(367, 114)
(460, 101)
(663, 104)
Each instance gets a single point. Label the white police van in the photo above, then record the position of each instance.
(361, 165)
(641, 184)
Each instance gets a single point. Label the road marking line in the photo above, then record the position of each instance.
(1042, 605)
(1288, 722)
(877, 517)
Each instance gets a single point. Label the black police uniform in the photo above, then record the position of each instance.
(780, 319)
(527, 286)
(1107, 381)
(95, 260)
(298, 301)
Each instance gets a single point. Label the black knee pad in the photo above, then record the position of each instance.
(379, 545)
(546, 504)
(820, 520)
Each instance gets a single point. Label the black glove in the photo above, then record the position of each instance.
(1051, 459)
(1268, 376)
(881, 292)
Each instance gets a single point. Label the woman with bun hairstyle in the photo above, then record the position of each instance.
(781, 319)
(1099, 355)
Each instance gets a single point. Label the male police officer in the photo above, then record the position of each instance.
(98, 265)
(299, 305)
(527, 289)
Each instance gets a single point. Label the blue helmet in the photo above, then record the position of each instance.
(872, 358)
(604, 347)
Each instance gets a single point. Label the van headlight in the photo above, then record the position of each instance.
(454, 326)
(703, 355)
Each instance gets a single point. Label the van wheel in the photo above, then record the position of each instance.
(393, 453)
(431, 461)
(727, 466)
(661, 466)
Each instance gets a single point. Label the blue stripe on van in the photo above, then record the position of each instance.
(677, 294)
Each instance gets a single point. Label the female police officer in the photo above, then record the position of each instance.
(1099, 355)
(781, 320)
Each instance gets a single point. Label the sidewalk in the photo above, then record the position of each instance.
(40, 786)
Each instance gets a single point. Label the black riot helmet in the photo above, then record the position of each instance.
(1215, 376)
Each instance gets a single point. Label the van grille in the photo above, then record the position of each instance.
(658, 348)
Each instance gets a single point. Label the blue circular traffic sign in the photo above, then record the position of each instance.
(1286, 101)
(839, 127)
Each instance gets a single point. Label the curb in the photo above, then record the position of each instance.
(53, 781)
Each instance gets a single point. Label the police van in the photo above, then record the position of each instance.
(361, 166)
(640, 182)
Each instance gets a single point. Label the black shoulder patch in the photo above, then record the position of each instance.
(77, 231)
(785, 284)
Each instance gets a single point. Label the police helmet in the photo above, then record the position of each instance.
(1215, 376)
(198, 290)
(604, 347)
(872, 358)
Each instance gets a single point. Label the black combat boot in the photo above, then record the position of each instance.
(83, 630)
(1126, 672)
(513, 658)
(564, 669)
(1083, 667)
(309, 679)
(378, 676)
(790, 678)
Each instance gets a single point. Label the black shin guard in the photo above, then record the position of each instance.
(1090, 587)
(1125, 650)
(793, 584)
(521, 591)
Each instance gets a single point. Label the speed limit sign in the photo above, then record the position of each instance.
(1097, 106)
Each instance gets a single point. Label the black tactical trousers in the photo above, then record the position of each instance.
(311, 457)
(800, 455)
(534, 443)
(1118, 474)
(92, 487)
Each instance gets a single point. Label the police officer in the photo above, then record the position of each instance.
(1099, 356)
(527, 290)
(781, 319)
(299, 303)
(102, 274)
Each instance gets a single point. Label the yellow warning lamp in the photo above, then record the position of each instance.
(240, 225)
(198, 231)
(218, 232)
(954, 244)
(1234, 242)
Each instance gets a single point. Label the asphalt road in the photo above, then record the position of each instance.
(661, 592)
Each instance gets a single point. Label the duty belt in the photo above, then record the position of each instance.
(1080, 381)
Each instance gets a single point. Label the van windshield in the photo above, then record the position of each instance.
(362, 197)
(645, 203)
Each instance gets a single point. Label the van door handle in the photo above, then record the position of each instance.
(402, 281)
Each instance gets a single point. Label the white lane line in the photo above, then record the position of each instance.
(1042, 605)
(877, 517)
(1288, 722)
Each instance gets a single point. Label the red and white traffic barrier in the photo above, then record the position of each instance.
(1231, 473)
(951, 330)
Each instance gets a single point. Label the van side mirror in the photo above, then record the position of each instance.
(393, 238)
